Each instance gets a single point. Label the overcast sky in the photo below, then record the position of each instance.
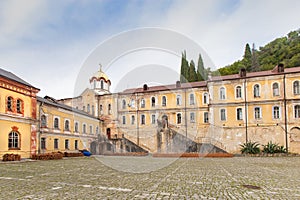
(46, 43)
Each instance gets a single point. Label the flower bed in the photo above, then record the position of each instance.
(73, 154)
(127, 154)
(11, 157)
(193, 155)
(48, 156)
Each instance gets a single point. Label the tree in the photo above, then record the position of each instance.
(192, 72)
(184, 70)
(254, 63)
(201, 71)
(247, 60)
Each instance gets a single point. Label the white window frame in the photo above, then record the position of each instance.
(221, 114)
(236, 93)
(222, 93)
(278, 90)
(279, 112)
(260, 113)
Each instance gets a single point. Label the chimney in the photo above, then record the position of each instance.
(145, 87)
(278, 68)
(243, 72)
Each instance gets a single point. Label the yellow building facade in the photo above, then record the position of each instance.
(18, 117)
(63, 128)
(219, 114)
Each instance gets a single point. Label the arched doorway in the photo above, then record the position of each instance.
(295, 140)
(108, 133)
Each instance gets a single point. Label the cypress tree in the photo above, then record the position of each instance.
(247, 61)
(201, 71)
(184, 70)
(192, 72)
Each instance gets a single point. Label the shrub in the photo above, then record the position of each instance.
(250, 148)
(273, 148)
(11, 157)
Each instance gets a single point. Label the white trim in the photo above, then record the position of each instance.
(235, 93)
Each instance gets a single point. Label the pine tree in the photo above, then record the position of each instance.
(247, 61)
(201, 71)
(192, 72)
(184, 70)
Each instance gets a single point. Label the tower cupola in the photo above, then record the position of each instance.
(100, 82)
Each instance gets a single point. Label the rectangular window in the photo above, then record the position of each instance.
(123, 119)
(276, 112)
(297, 111)
(223, 114)
(192, 117)
(192, 99)
(257, 113)
(91, 129)
(205, 117)
(55, 143)
(66, 144)
(43, 143)
(143, 120)
(76, 144)
(239, 114)
(153, 120)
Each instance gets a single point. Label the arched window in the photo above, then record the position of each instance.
(88, 108)
(142, 103)
(238, 92)
(164, 101)
(76, 127)
(56, 123)
(123, 104)
(275, 88)
(19, 106)
(101, 84)
(9, 104)
(296, 87)
(84, 128)
(256, 91)
(43, 121)
(222, 93)
(192, 99)
(13, 140)
(178, 100)
(178, 118)
(67, 125)
(153, 101)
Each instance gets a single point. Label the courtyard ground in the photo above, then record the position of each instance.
(152, 178)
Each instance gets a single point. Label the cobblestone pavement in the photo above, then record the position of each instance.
(193, 178)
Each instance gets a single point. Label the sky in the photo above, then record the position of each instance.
(49, 43)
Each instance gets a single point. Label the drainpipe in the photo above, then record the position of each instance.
(40, 127)
(185, 119)
(285, 115)
(246, 109)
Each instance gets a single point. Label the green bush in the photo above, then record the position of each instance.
(273, 148)
(250, 148)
